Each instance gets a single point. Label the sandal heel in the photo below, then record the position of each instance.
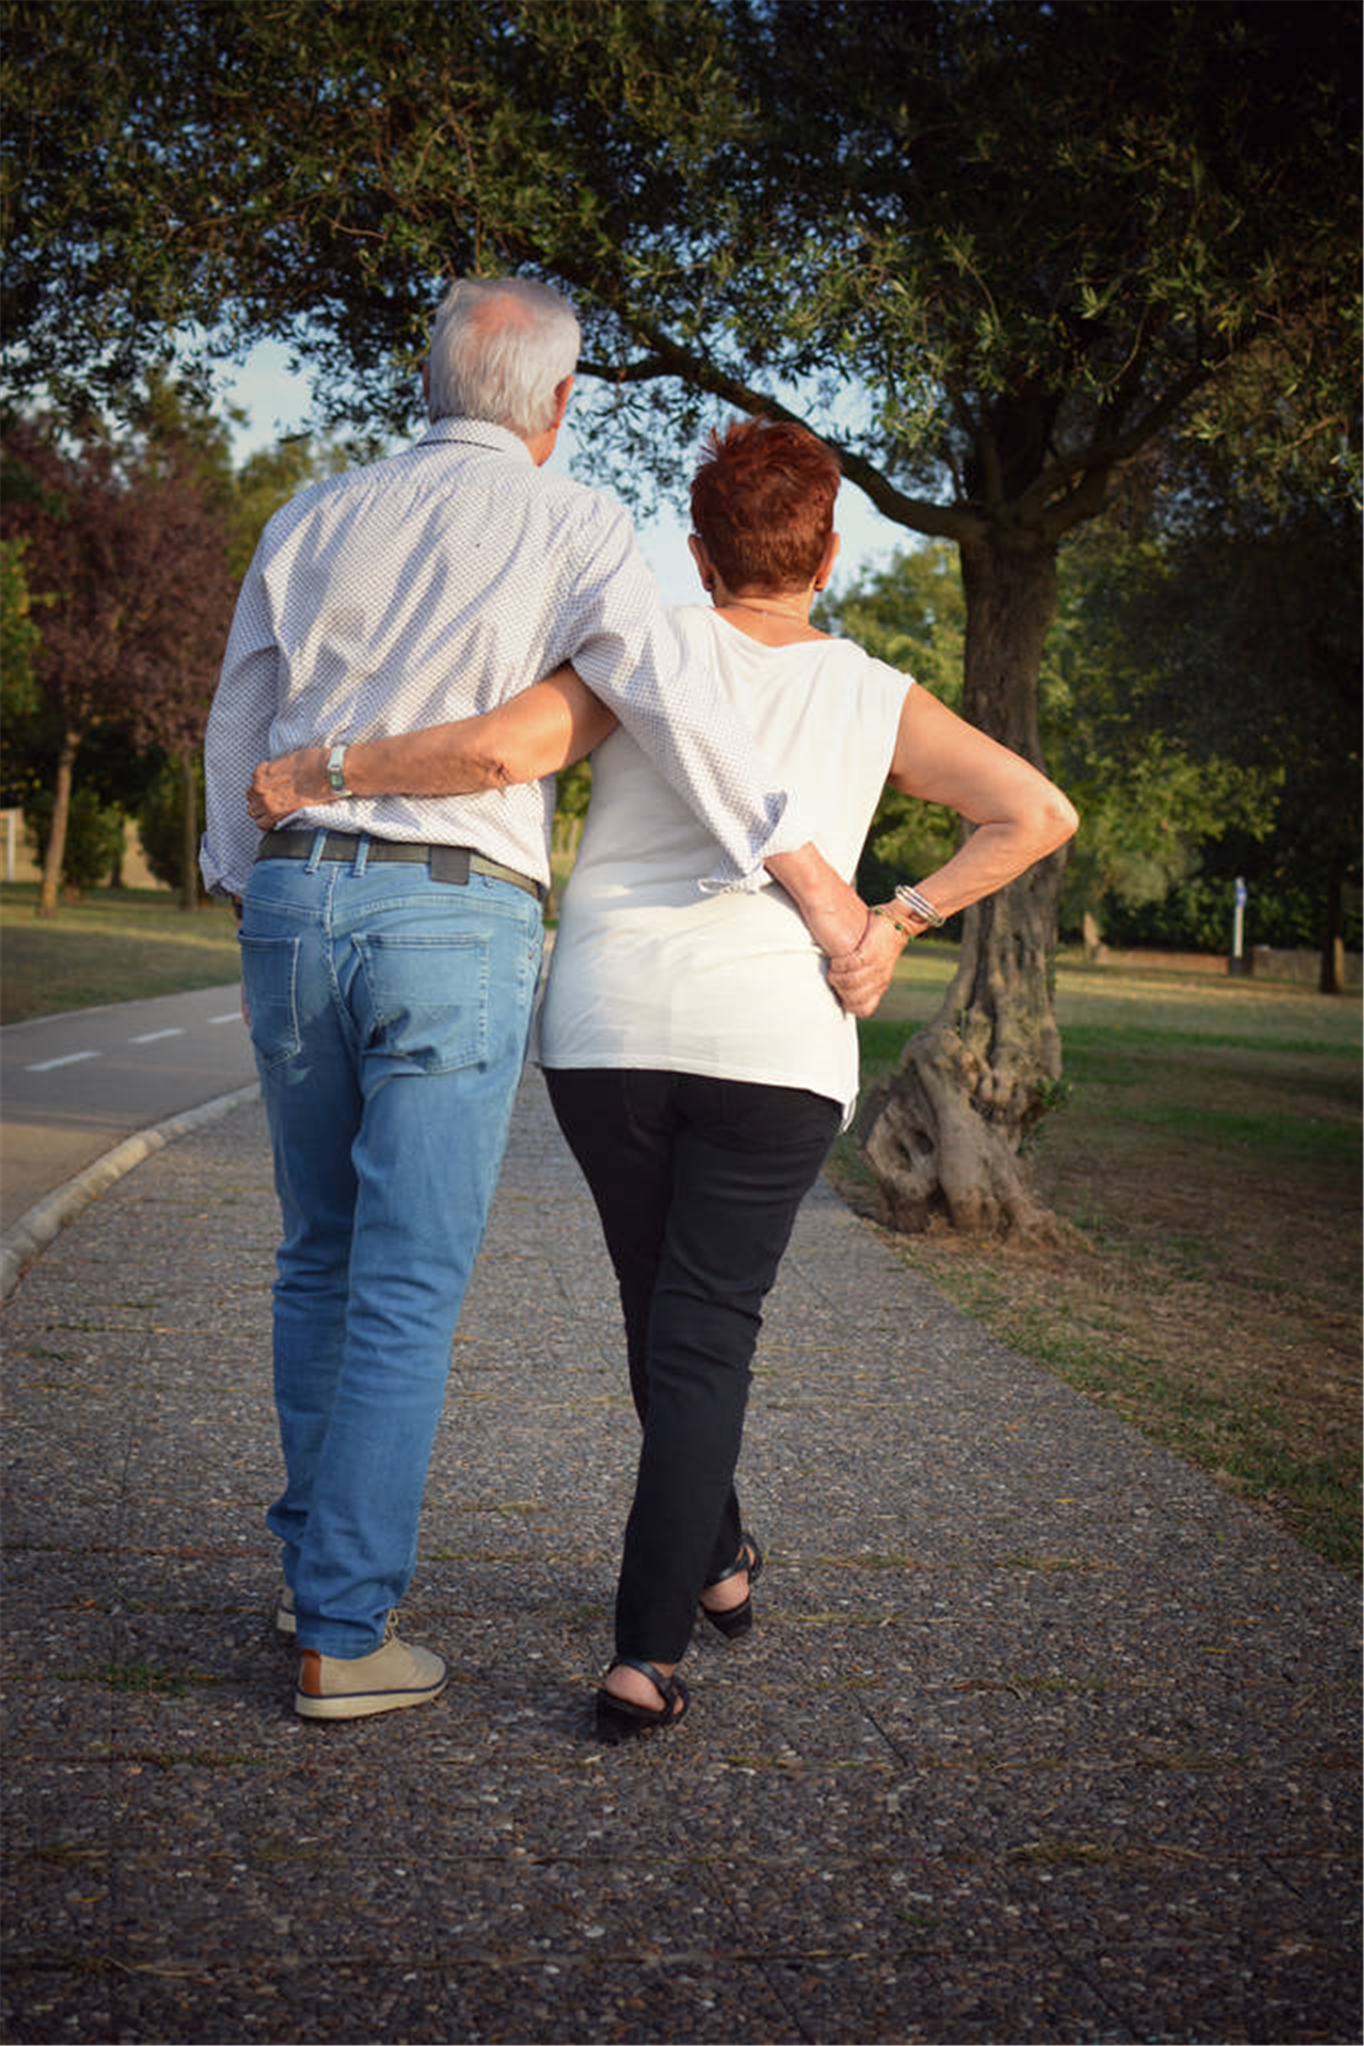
(736, 1621)
(620, 1719)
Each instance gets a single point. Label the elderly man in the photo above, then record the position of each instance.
(390, 945)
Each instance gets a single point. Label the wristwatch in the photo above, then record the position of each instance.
(336, 771)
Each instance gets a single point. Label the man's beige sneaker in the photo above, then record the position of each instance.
(342, 1687)
(285, 1621)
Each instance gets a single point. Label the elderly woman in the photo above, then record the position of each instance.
(699, 1062)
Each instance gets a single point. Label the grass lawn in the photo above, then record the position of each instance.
(1206, 1159)
(116, 945)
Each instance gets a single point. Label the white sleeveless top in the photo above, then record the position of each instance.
(648, 971)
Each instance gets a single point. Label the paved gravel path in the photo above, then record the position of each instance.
(1039, 1736)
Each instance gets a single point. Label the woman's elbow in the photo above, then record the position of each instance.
(1045, 821)
(1059, 820)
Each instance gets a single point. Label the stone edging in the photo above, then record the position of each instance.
(35, 1230)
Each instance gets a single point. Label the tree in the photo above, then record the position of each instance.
(992, 252)
(1229, 624)
(1151, 803)
(184, 461)
(1156, 790)
(174, 713)
(133, 563)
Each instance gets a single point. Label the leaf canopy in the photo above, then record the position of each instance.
(991, 251)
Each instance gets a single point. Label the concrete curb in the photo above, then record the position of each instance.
(36, 1229)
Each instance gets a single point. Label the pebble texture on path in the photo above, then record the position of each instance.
(1039, 1737)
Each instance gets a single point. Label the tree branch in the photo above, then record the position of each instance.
(1085, 496)
(921, 515)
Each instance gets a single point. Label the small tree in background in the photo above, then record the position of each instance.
(93, 842)
(130, 560)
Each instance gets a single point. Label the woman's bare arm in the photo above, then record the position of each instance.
(544, 728)
(1019, 816)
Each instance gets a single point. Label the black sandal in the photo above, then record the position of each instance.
(620, 1719)
(736, 1620)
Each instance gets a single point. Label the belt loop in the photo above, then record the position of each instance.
(361, 860)
(315, 856)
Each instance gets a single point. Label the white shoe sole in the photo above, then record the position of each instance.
(363, 1704)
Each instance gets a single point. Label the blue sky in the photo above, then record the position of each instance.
(277, 402)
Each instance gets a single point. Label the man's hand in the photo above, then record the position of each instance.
(861, 977)
(288, 783)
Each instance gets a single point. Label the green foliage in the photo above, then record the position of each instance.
(574, 790)
(94, 836)
(269, 477)
(1281, 910)
(19, 635)
(1147, 820)
(912, 615)
(1224, 636)
(1197, 709)
(161, 821)
(128, 538)
(1025, 237)
(1152, 794)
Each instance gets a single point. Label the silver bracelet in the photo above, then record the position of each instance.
(920, 905)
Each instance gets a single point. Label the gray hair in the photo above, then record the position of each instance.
(500, 348)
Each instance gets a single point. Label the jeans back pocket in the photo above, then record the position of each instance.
(270, 985)
(428, 998)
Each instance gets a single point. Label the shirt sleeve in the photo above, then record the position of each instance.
(630, 653)
(238, 735)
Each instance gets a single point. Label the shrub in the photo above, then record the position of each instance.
(160, 822)
(94, 835)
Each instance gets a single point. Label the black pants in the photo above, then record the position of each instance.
(697, 1182)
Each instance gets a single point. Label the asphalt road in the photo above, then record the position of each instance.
(73, 1086)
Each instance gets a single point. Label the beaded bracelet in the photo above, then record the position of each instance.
(920, 905)
(903, 929)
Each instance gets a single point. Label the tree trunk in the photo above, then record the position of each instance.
(55, 856)
(943, 1136)
(1332, 975)
(189, 832)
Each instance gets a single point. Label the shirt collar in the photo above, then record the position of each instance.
(479, 433)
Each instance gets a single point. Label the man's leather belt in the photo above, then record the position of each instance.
(453, 863)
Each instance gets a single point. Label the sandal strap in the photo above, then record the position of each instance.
(749, 1558)
(669, 1689)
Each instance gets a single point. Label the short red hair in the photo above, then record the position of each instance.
(763, 503)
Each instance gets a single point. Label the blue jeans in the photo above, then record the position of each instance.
(389, 1016)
